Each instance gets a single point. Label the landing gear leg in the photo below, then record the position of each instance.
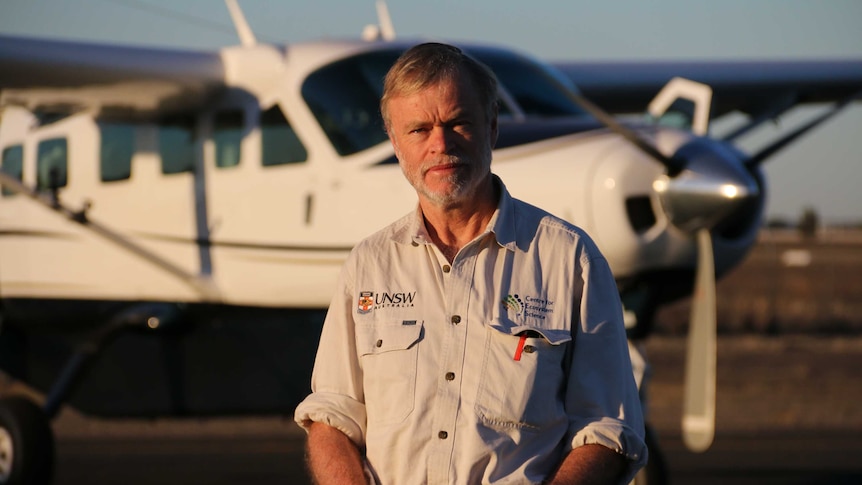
(26, 439)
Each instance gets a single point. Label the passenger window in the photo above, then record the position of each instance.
(280, 143)
(13, 165)
(51, 164)
(177, 144)
(228, 127)
(116, 150)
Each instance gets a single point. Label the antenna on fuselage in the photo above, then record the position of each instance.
(384, 30)
(246, 36)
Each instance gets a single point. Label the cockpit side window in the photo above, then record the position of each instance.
(280, 143)
(344, 97)
(13, 164)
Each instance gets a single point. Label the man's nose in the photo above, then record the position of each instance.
(441, 139)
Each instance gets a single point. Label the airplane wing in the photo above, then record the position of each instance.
(756, 88)
(64, 76)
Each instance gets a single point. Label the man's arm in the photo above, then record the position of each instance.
(332, 457)
(590, 465)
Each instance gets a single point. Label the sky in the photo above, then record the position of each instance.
(822, 171)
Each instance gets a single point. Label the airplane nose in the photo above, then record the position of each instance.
(713, 184)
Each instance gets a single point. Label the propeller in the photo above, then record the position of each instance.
(704, 183)
(698, 417)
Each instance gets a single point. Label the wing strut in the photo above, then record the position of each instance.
(777, 145)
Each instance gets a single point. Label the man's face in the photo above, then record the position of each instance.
(443, 141)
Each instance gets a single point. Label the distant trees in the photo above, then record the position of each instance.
(808, 223)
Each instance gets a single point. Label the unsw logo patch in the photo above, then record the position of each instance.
(369, 300)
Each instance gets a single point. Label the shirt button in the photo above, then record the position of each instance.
(450, 376)
(446, 268)
(414, 244)
(456, 319)
(380, 343)
(442, 435)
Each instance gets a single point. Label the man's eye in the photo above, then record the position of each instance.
(462, 127)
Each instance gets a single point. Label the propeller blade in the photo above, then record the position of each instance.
(698, 420)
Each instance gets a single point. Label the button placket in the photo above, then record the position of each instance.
(456, 286)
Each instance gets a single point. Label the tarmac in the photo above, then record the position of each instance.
(787, 413)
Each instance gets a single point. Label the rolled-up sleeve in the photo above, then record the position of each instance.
(337, 397)
(602, 398)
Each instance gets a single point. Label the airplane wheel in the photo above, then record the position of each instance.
(26, 443)
(655, 471)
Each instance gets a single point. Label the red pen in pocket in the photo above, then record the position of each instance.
(520, 349)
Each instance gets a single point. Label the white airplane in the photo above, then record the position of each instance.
(172, 223)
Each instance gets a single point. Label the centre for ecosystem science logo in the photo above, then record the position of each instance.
(528, 306)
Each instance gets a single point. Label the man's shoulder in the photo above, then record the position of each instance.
(528, 215)
(394, 231)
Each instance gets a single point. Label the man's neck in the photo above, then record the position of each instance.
(452, 227)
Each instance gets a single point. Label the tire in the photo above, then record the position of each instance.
(26, 443)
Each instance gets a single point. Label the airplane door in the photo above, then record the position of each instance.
(259, 196)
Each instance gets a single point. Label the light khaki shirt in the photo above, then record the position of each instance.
(488, 370)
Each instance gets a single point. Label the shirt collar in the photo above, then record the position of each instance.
(502, 223)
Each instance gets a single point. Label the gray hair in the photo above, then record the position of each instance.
(425, 65)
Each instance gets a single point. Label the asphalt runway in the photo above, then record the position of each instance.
(772, 458)
(788, 413)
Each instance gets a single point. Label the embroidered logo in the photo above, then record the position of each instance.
(370, 300)
(529, 306)
(513, 303)
(366, 301)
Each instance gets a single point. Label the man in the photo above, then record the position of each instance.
(478, 339)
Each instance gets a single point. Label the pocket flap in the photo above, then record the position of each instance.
(552, 336)
(377, 339)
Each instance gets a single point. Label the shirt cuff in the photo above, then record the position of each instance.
(618, 437)
(341, 412)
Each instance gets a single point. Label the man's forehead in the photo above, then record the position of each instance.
(441, 89)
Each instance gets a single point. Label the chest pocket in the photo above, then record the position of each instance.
(522, 383)
(388, 356)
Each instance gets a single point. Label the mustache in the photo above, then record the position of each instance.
(446, 160)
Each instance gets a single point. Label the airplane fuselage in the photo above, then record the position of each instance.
(205, 190)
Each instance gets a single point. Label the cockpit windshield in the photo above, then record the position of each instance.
(344, 96)
(535, 87)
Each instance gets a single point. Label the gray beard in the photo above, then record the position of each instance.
(460, 183)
